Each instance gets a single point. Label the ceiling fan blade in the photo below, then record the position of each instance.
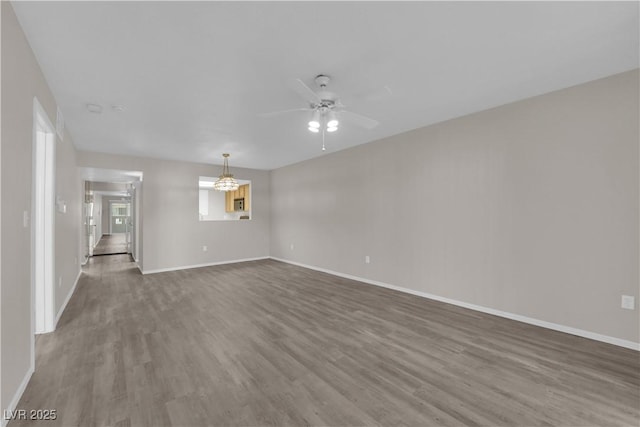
(306, 92)
(277, 113)
(377, 94)
(359, 119)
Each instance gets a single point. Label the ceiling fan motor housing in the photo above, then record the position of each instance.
(324, 105)
(322, 80)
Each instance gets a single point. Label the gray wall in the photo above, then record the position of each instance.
(68, 189)
(109, 186)
(21, 81)
(171, 232)
(530, 208)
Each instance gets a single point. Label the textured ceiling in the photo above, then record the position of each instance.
(193, 77)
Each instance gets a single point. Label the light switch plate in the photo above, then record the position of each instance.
(628, 302)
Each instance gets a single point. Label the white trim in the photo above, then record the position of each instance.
(18, 394)
(40, 118)
(43, 223)
(109, 208)
(524, 319)
(66, 301)
(210, 264)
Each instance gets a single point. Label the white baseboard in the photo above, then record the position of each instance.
(137, 263)
(210, 264)
(18, 395)
(66, 301)
(524, 319)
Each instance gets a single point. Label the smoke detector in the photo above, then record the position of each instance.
(94, 108)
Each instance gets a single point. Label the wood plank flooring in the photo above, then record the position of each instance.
(111, 244)
(267, 343)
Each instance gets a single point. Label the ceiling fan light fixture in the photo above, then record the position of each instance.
(324, 108)
(226, 181)
(315, 120)
(332, 120)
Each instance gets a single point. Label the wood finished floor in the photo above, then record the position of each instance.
(111, 244)
(266, 343)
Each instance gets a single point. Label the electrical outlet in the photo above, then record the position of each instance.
(25, 219)
(205, 249)
(60, 281)
(291, 246)
(75, 261)
(367, 260)
(628, 302)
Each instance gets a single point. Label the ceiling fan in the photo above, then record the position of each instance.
(326, 108)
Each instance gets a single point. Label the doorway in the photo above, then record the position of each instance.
(117, 220)
(42, 231)
(112, 212)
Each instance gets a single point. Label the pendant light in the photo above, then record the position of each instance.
(226, 181)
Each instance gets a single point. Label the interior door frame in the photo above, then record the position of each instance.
(43, 224)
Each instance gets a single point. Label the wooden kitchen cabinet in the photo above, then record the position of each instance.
(247, 196)
(242, 192)
(228, 201)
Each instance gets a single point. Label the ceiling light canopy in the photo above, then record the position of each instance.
(226, 181)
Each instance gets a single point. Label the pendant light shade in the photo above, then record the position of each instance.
(226, 181)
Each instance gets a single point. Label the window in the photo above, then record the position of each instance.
(119, 209)
(223, 206)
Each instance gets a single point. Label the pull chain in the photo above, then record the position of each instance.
(323, 148)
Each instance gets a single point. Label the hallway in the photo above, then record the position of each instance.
(111, 244)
